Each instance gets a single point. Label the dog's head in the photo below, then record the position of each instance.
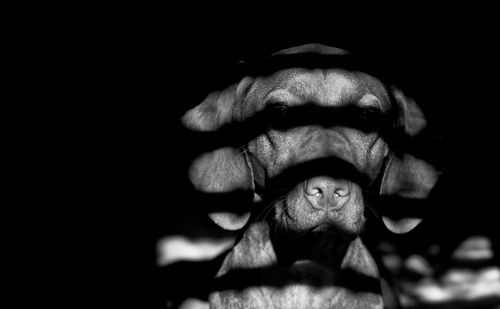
(310, 132)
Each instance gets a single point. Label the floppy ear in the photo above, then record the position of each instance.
(226, 171)
(410, 116)
(406, 176)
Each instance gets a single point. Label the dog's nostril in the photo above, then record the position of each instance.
(317, 191)
(320, 187)
(341, 192)
(314, 192)
(312, 189)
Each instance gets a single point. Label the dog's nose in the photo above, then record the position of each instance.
(327, 193)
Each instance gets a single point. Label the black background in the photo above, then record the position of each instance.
(150, 69)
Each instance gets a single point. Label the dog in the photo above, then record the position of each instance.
(310, 140)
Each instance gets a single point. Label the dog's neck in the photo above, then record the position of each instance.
(260, 246)
(256, 275)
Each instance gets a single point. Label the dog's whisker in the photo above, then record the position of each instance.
(264, 213)
(279, 190)
(372, 210)
(242, 149)
(267, 209)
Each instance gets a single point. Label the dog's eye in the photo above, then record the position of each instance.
(279, 109)
(279, 115)
(368, 113)
(370, 117)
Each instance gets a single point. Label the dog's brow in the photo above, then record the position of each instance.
(375, 86)
(338, 86)
(294, 88)
(281, 95)
(370, 100)
(313, 87)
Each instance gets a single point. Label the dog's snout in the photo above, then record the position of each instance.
(327, 193)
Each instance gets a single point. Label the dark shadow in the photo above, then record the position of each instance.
(238, 201)
(187, 279)
(330, 166)
(183, 280)
(278, 276)
(400, 207)
(241, 201)
(311, 60)
(279, 117)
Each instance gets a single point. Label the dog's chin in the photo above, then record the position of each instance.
(324, 244)
(335, 231)
(324, 232)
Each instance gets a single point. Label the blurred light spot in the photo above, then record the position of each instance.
(466, 284)
(406, 300)
(176, 248)
(193, 303)
(490, 274)
(434, 249)
(487, 283)
(429, 291)
(419, 265)
(393, 262)
(457, 276)
(386, 247)
(484, 288)
(474, 248)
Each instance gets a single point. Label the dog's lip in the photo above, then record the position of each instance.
(310, 266)
(306, 264)
(325, 226)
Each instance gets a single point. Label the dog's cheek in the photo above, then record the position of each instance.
(353, 213)
(270, 152)
(375, 158)
(260, 149)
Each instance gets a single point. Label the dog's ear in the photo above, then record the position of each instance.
(409, 115)
(406, 176)
(226, 171)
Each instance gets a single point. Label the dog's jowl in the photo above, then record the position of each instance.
(310, 135)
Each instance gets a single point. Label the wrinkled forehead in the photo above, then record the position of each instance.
(322, 86)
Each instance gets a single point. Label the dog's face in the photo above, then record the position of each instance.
(321, 143)
(319, 118)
